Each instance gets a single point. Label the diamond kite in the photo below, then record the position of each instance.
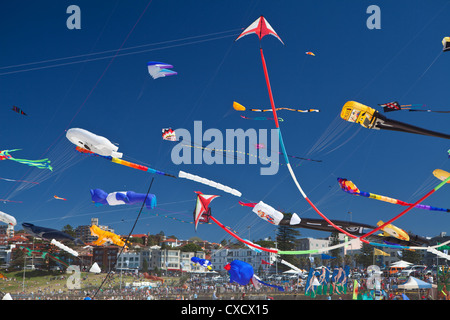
(202, 212)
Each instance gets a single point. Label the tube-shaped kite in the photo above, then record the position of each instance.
(64, 247)
(100, 197)
(239, 107)
(369, 118)
(18, 110)
(395, 106)
(210, 183)
(349, 187)
(124, 163)
(40, 164)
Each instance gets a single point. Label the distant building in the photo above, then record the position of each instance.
(175, 260)
(171, 242)
(6, 254)
(105, 256)
(7, 230)
(312, 244)
(258, 260)
(128, 261)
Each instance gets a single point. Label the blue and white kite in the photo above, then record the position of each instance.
(100, 197)
(160, 69)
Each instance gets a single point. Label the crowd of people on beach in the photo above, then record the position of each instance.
(196, 288)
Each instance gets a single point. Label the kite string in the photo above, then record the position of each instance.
(108, 51)
(128, 237)
(418, 79)
(403, 48)
(114, 56)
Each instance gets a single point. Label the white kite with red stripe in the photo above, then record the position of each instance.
(261, 28)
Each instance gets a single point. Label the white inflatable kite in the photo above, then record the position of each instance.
(92, 142)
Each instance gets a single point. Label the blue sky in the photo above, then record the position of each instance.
(96, 78)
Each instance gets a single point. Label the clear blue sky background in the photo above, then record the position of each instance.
(112, 95)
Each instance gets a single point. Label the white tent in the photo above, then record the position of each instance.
(95, 268)
(294, 271)
(414, 283)
(7, 296)
(401, 264)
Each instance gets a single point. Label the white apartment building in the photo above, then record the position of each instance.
(7, 230)
(5, 254)
(166, 259)
(312, 244)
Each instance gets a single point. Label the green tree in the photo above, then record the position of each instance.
(335, 252)
(286, 241)
(266, 243)
(348, 259)
(69, 230)
(18, 258)
(414, 257)
(191, 247)
(136, 240)
(365, 258)
(304, 263)
(145, 265)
